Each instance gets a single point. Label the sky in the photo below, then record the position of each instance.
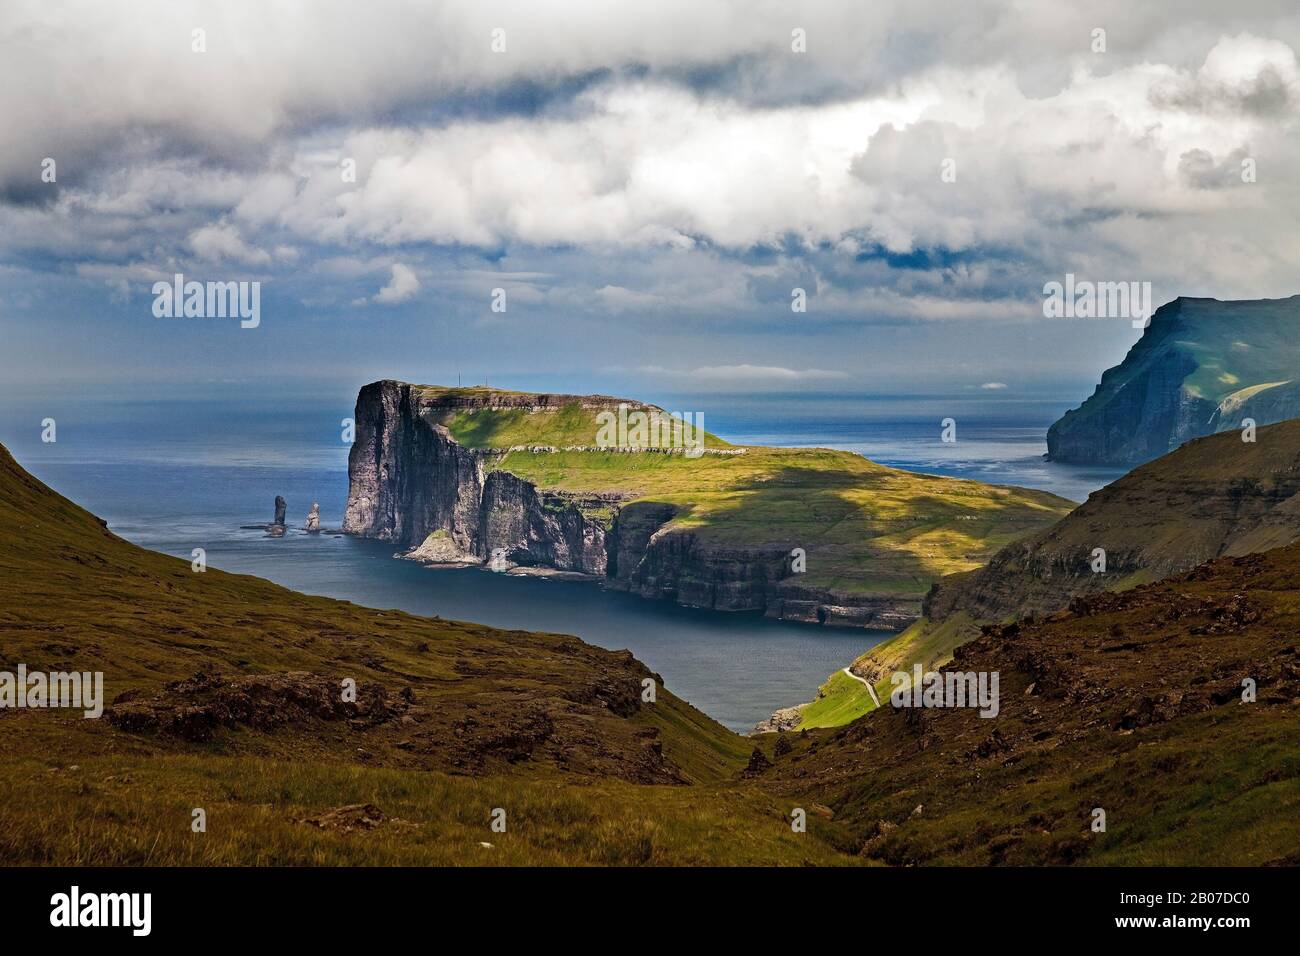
(645, 184)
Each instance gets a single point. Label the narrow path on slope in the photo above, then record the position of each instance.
(870, 690)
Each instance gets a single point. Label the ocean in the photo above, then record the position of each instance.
(182, 474)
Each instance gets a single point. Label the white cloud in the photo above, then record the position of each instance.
(615, 298)
(745, 373)
(76, 77)
(1114, 166)
(993, 386)
(222, 242)
(648, 165)
(402, 285)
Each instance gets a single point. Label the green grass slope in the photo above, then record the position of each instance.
(1130, 702)
(841, 700)
(492, 418)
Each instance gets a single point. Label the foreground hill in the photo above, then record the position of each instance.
(224, 693)
(1201, 366)
(1130, 703)
(456, 475)
(1212, 497)
(224, 697)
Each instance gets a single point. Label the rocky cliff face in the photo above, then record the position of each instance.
(653, 562)
(1202, 366)
(412, 484)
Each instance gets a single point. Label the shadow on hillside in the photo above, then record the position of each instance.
(858, 528)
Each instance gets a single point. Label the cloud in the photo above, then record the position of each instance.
(1036, 189)
(402, 286)
(1243, 74)
(615, 298)
(129, 74)
(994, 386)
(683, 180)
(222, 242)
(746, 373)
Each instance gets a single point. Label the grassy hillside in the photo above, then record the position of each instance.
(223, 699)
(867, 530)
(491, 418)
(841, 700)
(1213, 496)
(1235, 348)
(224, 690)
(1128, 702)
(1239, 355)
(927, 642)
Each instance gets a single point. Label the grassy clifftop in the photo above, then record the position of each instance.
(492, 418)
(867, 530)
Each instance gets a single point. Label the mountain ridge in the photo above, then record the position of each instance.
(1201, 366)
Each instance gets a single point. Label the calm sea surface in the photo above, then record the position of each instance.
(173, 476)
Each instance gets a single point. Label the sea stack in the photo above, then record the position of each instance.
(276, 528)
(313, 518)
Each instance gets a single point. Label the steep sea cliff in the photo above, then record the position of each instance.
(1202, 366)
(439, 500)
(411, 483)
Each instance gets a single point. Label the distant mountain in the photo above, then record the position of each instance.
(1202, 366)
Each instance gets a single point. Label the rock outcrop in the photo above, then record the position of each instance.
(276, 528)
(1202, 366)
(196, 708)
(412, 484)
(442, 502)
(787, 718)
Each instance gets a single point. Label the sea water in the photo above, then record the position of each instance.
(177, 475)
